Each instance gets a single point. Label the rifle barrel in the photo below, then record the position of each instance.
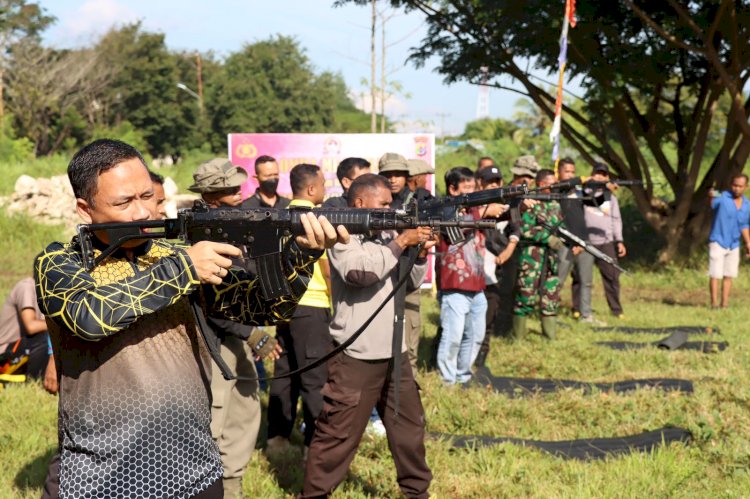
(478, 198)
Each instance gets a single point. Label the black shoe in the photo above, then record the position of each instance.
(481, 359)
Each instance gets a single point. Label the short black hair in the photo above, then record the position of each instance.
(542, 174)
(566, 161)
(739, 175)
(456, 175)
(94, 159)
(301, 176)
(366, 182)
(347, 165)
(264, 159)
(156, 178)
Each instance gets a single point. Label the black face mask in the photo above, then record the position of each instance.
(268, 187)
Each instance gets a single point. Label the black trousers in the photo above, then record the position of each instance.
(506, 284)
(493, 294)
(38, 355)
(610, 280)
(304, 339)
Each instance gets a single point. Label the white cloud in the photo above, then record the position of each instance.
(415, 126)
(394, 105)
(95, 17)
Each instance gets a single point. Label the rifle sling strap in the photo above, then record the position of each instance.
(404, 269)
(210, 339)
(346, 344)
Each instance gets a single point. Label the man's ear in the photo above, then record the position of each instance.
(359, 203)
(346, 183)
(84, 210)
(452, 190)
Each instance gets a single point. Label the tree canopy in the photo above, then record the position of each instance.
(127, 83)
(662, 87)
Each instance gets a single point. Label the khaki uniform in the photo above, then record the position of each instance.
(413, 326)
(235, 412)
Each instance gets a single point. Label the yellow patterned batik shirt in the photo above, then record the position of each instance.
(134, 410)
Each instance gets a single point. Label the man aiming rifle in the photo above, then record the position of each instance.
(134, 395)
(374, 371)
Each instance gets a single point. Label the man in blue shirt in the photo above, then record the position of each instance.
(731, 220)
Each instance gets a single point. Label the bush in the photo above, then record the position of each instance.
(125, 132)
(14, 150)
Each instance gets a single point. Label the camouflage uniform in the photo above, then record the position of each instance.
(534, 249)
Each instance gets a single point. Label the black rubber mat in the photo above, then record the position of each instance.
(520, 387)
(583, 449)
(675, 341)
(660, 330)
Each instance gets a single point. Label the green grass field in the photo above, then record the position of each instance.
(715, 464)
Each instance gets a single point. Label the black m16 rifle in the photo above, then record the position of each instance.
(447, 208)
(571, 238)
(260, 233)
(586, 182)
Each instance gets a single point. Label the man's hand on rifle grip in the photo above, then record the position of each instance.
(413, 237)
(528, 204)
(320, 234)
(211, 260)
(494, 210)
(429, 243)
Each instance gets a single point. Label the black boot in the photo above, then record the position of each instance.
(434, 348)
(481, 358)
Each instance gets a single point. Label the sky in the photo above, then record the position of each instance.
(335, 39)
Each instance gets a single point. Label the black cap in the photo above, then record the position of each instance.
(601, 168)
(489, 173)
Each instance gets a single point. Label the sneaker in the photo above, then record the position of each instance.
(376, 428)
(592, 321)
(620, 316)
(576, 314)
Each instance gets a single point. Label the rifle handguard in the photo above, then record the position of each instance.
(261, 343)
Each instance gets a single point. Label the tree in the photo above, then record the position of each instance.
(269, 86)
(18, 19)
(346, 117)
(197, 71)
(144, 90)
(50, 92)
(654, 74)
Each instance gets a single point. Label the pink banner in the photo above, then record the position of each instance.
(324, 150)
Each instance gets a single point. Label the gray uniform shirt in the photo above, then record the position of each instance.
(362, 275)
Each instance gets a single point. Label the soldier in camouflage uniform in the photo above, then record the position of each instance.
(537, 280)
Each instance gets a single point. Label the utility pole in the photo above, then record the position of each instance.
(199, 68)
(373, 64)
(442, 117)
(382, 72)
(483, 99)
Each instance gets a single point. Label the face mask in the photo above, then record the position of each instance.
(268, 187)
